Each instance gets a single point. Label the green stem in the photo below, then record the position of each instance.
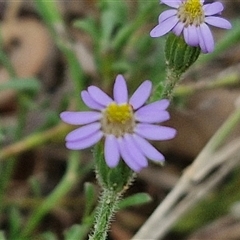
(34, 140)
(69, 179)
(105, 212)
(6, 173)
(165, 89)
(171, 80)
(114, 182)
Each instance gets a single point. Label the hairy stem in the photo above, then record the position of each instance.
(106, 209)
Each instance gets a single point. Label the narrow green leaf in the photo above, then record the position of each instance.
(135, 200)
(2, 235)
(35, 186)
(88, 25)
(15, 222)
(76, 232)
(48, 236)
(90, 196)
(21, 84)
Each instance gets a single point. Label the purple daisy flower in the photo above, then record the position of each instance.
(125, 124)
(191, 17)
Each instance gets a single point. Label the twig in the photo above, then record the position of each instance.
(151, 228)
(194, 196)
(218, 158)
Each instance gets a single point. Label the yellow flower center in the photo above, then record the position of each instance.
(118, 113)
(191, 12)
(118, 119)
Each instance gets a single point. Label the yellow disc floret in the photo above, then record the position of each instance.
(118, 119)
(191, 12)
(118, 113)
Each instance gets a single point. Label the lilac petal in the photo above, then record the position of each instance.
(79, 118)
(120, 91)
(111, 152)
(147, 149)
(86, 142)
(151, 116)
(201, 42)
(126, 156)
(218, 22)
(99, 96)
(134, 151)
(186, 34)
(155, 108)
(158, 105)
(178, 28)
(191, 36)
(212, 8)
(171, 3)
(83, 132)
(164, 27)
(88, 100)
(166, 14)
(155, 132)
(141, 95)
(207, 38)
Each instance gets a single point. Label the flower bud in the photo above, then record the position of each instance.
(115, 179)
(179, 55)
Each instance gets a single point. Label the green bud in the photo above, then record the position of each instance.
(179, 55)
(116, 179)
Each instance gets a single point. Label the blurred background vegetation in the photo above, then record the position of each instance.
(49, 52)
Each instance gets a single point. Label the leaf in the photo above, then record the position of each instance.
(90, 196)
(135, 200)
(113, 17)
(77, 231)
(88, 25)
(48, 236)
(21, 84)
(14, 222)
(2, 235)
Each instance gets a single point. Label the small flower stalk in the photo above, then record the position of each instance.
(114, 182)
(120, 127)
(191, 18)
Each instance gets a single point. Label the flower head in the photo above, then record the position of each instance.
(192, 18)
(124, 124)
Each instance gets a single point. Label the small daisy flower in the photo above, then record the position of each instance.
(192, 18)
(125, 124)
